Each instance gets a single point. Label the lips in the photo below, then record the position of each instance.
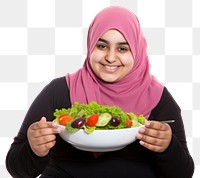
(110, 69)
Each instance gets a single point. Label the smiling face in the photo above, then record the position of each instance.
(111, 59)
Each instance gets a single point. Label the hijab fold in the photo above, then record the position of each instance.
(139, 91)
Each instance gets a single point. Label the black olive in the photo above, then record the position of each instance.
(115, 121)
(79, 122)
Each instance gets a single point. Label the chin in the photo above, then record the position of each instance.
(107, 80)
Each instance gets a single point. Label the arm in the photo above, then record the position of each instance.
(21, 160)
(176, 160)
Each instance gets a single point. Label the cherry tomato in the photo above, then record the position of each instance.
(92, 120)
(64, 118)
(129, 122)
(61, 115)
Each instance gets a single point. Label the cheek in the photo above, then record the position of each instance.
(128, 61)
(95, 57)
(92, 59)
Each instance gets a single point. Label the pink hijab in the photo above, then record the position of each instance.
(138, 92)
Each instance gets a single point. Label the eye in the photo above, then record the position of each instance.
(101, 46)
(122, 49)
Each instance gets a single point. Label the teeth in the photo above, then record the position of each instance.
(111, 67)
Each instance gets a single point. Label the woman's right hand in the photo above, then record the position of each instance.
(41, 136)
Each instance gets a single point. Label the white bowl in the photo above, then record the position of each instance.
(100, 140)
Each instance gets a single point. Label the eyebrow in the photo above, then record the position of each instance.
(105, 41)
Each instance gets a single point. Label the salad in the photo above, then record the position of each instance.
(93, 116)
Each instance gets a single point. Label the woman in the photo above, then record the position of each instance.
(116, 72)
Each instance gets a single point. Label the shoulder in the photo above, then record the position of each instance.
(168, 98)
(57, 85)
(166, 107)
(60, 91)
(61, 81)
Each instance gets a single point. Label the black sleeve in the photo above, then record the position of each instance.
(21, 161)
(176, 161)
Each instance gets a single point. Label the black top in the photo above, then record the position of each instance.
(66, 161)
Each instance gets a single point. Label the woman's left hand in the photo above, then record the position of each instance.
(155, 136)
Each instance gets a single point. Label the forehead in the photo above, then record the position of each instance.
(113, 36)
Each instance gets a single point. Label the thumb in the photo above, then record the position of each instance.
(43, 119)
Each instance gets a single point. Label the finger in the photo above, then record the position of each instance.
(43, 140)
(42, 150)
(151, 140)
(45, 132)
(157, 125)
(155, 148)
(152, 132)
(43, 119)
(43, 124)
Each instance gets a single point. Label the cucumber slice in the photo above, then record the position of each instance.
(103, 119)
(135, 123)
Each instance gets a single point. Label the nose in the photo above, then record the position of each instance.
(111, 56)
